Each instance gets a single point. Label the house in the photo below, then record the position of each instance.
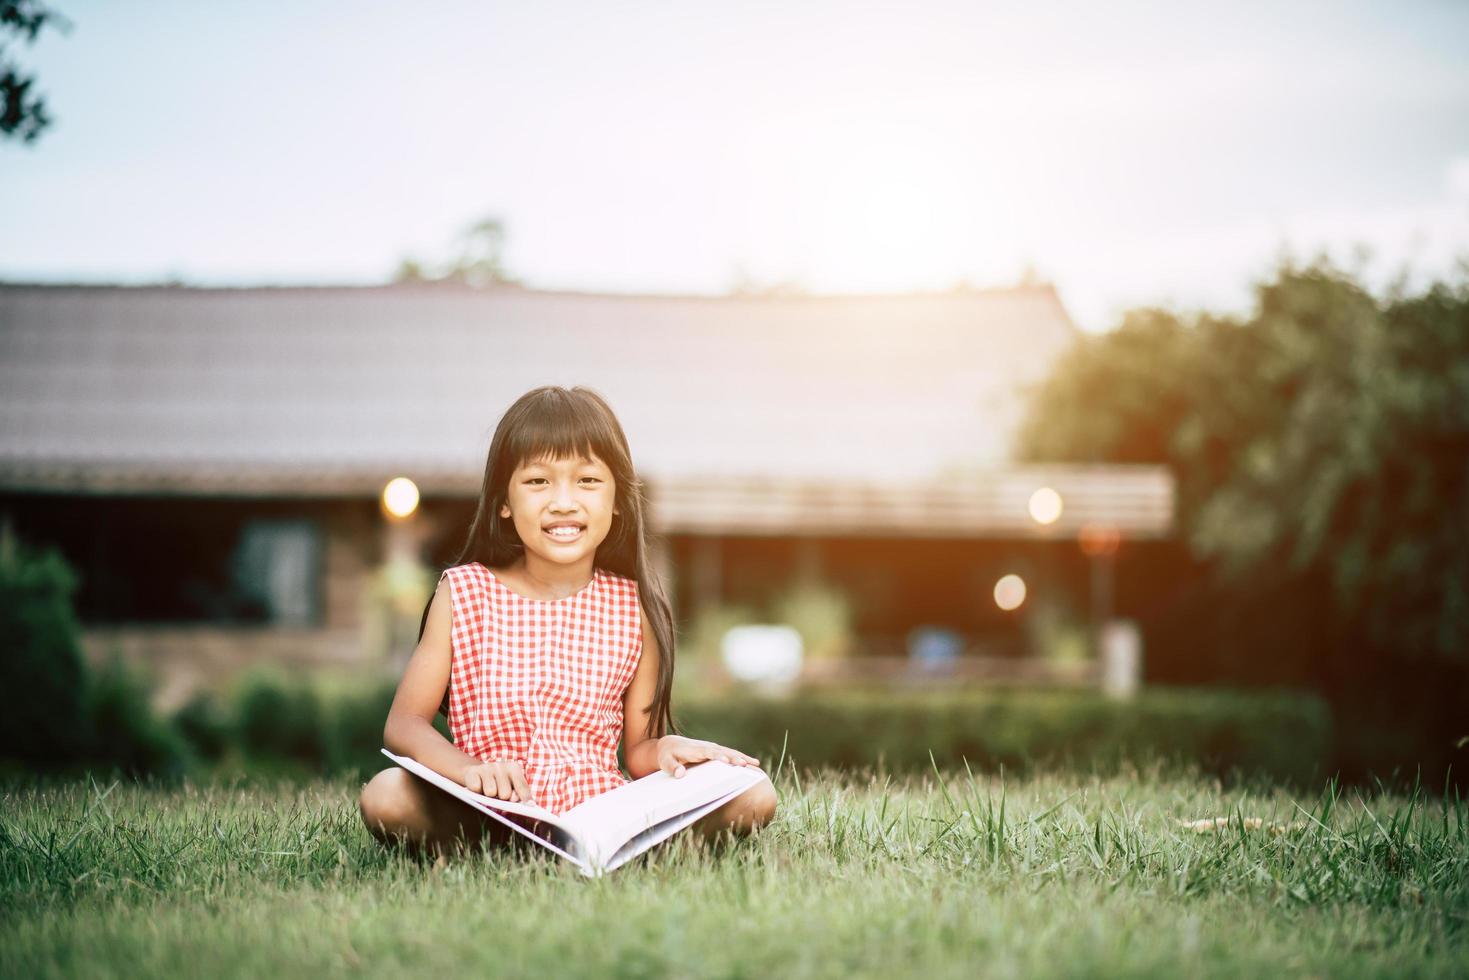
(211, 460)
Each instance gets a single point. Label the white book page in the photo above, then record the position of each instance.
(493, 807)
(609, 820)
(613, 827)
(661, 832)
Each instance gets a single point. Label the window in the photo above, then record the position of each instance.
(277, 566)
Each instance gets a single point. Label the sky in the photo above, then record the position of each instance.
(1132, 154)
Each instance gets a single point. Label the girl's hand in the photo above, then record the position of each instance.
(674, 751)
(503, 780)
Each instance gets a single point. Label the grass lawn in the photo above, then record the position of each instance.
(859, 875)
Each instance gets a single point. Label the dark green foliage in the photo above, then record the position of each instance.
(59, 715)
(1281, 736)
(126, 734)
(42, 673)
(202, 723)
(276, 722)
(23, 114)
(280, 719)
(317, 726)
(1321, 448)
(1327, 435)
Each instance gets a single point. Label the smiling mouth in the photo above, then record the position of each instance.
(564, 533)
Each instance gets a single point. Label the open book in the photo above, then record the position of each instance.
(610, 829)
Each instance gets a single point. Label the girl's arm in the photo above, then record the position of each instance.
(410, 729)
(645, 755)
(638, 750)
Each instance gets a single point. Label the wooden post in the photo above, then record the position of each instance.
(1122, 658)
(708, 579)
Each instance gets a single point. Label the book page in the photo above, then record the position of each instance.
(609, 820)
(568, 846)
(662, 831)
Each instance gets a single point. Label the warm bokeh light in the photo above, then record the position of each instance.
(400, 497)
(1010, 592)
(1099, 539)
(1045, 506)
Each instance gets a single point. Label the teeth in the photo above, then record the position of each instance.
(564, 532)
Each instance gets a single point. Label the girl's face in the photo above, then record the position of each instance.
(578, 496)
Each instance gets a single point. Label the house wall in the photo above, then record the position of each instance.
(154, 582)
(182, 545)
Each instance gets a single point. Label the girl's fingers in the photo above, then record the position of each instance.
(733, 756)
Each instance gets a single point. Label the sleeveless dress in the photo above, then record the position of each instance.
(540, 682)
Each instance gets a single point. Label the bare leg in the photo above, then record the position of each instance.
(753, 808)
(397, 805)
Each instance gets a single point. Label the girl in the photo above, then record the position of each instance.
(548, 640)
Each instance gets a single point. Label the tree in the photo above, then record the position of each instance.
(23, 115)
(1358, 464)
(479, 261)
(1321, 451)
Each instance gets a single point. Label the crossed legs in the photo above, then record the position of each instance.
(752, 809)
(398, 806)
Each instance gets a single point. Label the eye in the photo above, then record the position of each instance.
(591, 479)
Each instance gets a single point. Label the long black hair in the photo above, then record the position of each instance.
(567, 423)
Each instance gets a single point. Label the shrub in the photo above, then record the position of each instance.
(821, 613)
(1282, 736)
(354, 724)
(42, 674)
(293, 725)
(280, 717)
(58, 714)
(124, 731)
(204, 724)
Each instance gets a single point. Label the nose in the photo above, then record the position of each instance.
(563, 500)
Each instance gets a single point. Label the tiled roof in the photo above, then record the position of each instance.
(331, 390)
(1136, 501)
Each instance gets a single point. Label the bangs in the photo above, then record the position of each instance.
(563, 428)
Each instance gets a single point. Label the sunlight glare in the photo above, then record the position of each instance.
(1045, 506)
(1010, 592)
(400, 497)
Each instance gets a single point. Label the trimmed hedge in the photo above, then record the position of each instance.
(1285, 736)
(43, 677)
(289, 726)
(276, 723)
(58, 715)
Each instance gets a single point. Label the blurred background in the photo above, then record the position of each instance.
(1073, 386)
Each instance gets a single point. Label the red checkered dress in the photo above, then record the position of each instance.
(540, 681)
